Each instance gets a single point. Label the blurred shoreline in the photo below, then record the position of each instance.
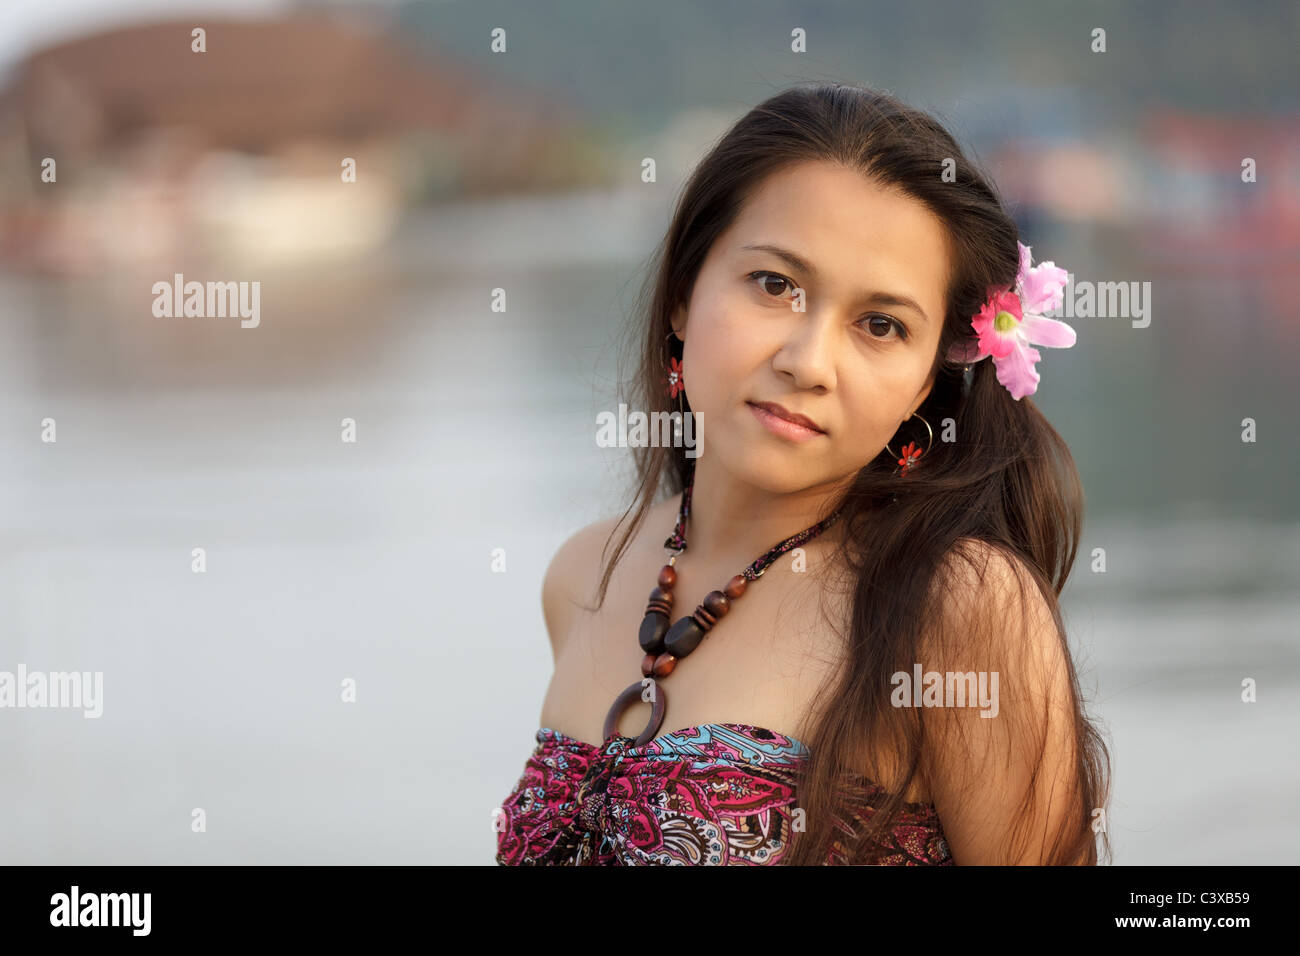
(386, 183)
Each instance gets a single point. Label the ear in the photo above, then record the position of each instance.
(679, 320)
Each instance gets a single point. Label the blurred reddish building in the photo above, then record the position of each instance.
(1201, 217)
(241, 147)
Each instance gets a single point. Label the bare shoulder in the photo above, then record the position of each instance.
(993, 778)
(975, 559)
(981, 579)
(993, 607)
(569, 584)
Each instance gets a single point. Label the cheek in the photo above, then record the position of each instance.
(721, 348)
(719, 315)
(879, 395)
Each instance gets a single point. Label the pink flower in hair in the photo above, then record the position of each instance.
(1010, 323)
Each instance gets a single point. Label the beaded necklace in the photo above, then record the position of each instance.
(663, 646)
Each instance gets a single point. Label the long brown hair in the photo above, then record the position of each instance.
(1006, 488)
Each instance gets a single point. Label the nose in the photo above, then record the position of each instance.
(807, 354)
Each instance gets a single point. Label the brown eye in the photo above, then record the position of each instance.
(773, 283)
(879, 325)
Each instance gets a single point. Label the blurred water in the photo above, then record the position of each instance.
(371, 561)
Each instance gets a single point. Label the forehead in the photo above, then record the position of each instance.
(856, 233)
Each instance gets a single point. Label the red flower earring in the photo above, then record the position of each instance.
(912, 451)
(676, 383)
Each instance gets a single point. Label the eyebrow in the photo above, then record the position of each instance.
(806, 267)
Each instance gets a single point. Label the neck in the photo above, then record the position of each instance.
(734, 522)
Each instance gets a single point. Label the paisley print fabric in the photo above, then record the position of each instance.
(715, 794)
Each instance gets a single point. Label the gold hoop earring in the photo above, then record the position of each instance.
(911, 451)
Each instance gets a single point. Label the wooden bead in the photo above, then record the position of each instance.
(706, 619)
(667, 577)
(664, 665)
(684, 636)
(648, 665)
(660, 602)
(717, 604)
(735, 587)
(653, 628)
(662, 596)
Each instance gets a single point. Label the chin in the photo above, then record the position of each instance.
(770, 468)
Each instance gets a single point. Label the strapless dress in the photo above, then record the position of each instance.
(713, 794)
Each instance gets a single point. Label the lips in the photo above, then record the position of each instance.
(782, 412)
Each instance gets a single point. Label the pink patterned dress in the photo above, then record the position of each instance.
(715, 794)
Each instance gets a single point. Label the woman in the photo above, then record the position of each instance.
(897, 688)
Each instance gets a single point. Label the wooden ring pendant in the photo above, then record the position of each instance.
(658, 706)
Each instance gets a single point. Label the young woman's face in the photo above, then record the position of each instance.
(872, 265)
